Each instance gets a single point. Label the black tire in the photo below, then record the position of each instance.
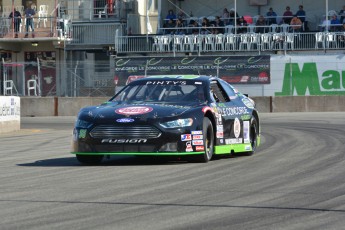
(208, 134)
(90, 159)
(253, 136)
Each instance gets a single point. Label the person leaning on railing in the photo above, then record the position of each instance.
(260, 25)
(180, 27)
(271, 17)
(16, 19)
(296, 24)
(335, 23)
(168, 27)
(29, 14)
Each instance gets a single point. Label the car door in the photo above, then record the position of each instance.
(230, 110)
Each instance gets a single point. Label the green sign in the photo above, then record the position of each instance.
(299, 81)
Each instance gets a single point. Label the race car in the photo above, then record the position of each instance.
(189, 116)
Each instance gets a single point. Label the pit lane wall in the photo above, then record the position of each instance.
(298, 83)
(9, 114)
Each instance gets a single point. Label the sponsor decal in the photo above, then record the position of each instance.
(198, 137)
(248, 103)
(134, 110)
(246, 117)
(124, 141)
(246, 131)
(237, 127)
(197, 142)
(166, 83)
(82, 133)
(233, 141)
(221, 141)
(220, 134)
(198, 132)
(220, 128)
(189, 147)
(231, 111)
(200, 148)
(124, 120)
(186, 137)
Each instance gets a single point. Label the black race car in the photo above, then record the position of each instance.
(188, 115)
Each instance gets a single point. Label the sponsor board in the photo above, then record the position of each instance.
(9, 108)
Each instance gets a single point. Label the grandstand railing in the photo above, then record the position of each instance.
(247, 42)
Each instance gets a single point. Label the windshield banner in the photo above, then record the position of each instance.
(233, 69)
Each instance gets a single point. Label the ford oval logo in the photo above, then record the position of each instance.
(124, 120)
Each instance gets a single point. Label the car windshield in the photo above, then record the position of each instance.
(165, 92)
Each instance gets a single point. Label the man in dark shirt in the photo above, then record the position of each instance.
(287, 16)
(16, 19)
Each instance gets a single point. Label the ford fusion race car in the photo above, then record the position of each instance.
(188, 115)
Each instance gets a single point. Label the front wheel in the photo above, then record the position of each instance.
(90, 159)
(208, 137)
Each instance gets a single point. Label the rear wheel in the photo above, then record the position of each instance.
(253, 136)
(90, 159)
(208, 137)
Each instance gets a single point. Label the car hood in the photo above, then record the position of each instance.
(110, 111)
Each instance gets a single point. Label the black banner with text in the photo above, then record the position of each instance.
(233, 69)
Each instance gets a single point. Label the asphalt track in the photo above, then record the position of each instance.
(294, 181)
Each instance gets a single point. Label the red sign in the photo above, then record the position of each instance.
(135, 110)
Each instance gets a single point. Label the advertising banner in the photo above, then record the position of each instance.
(233, 69)
(311, 75)
(9, 108)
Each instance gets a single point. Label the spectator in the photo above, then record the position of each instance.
(168, 25)
(226, 16)
(219, 25)
(242, 25)
(180, 27)
(195, 27)
(342, 14)
(287, 16)
(296, 24)
(301, 13)
(260, 25)
(16, 19)
(232, 17)
(205, 26)
(341, 37)
(271, 17)
(325, 24)
(170, 15)
(29, 13)
(335, 23)
(181, 15)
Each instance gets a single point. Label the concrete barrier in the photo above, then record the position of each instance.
(9, 114)
(70, 106)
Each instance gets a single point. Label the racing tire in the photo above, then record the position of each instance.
(208, 137)
(90, 159)
(253, 136)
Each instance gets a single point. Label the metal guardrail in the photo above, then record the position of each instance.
(248, 42)
(94, 33)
